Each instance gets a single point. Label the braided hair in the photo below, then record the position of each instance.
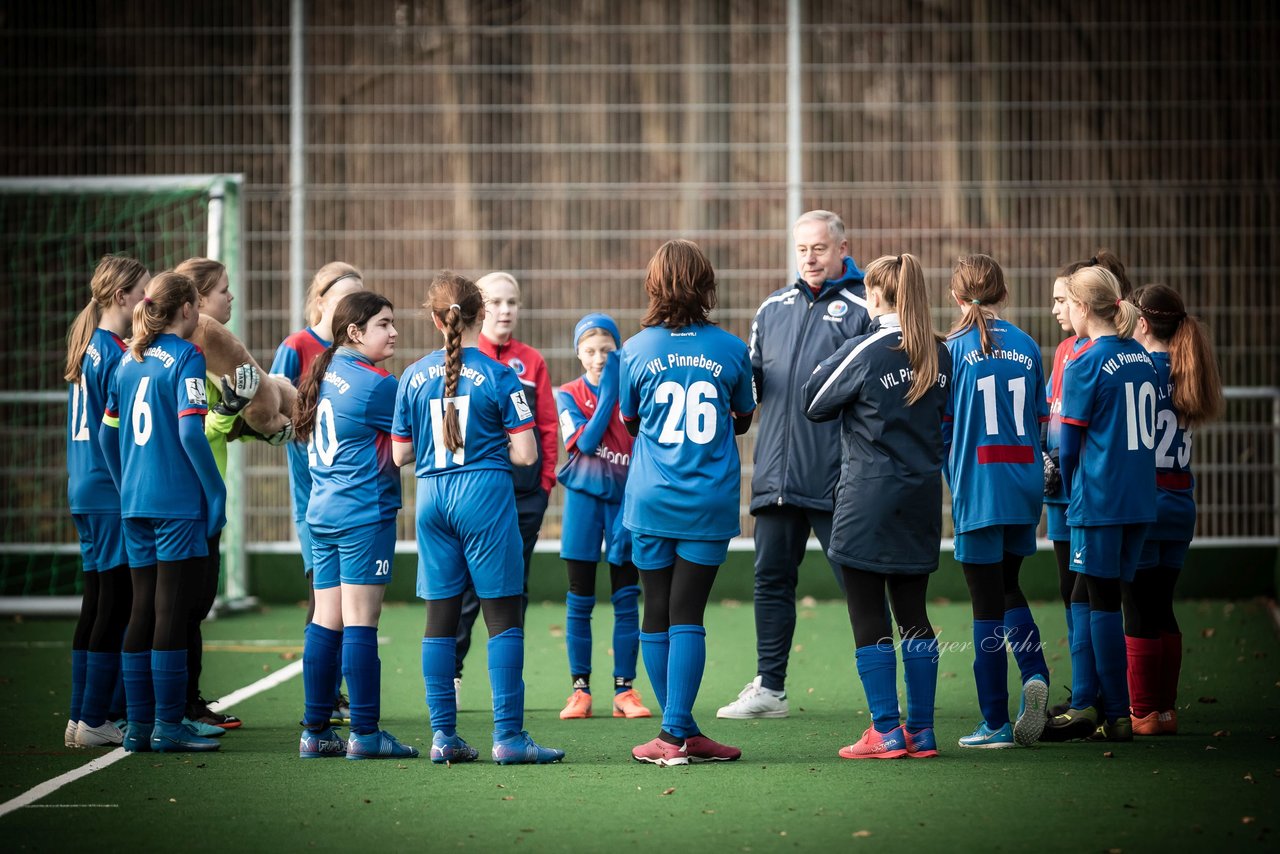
(457, 303)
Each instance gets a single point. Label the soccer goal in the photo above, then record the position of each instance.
(54, 230)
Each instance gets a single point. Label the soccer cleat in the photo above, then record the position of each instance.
(69, 734)
(699, 748)
(922, 744)
(519, 749)
(1071, 725)
(137, 738)
(755, 701)
(325, 744)
(1169, 722)
(451, 748)
(341, 710)
(204, 730)
(577, 706)
(629, 705)
(176, 738)
(659, 752)
(1061, 708)
(199, 711)
(877, 745)
(107, 735)
(378, 745)
(1148, 724)
(1121, 729)
(990, 739)
(1033, 712)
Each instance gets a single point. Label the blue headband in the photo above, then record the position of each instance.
(596, 321)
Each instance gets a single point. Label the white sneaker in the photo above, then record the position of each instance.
(107, 735)
(755, 701)
(69, 734)
(457, 693)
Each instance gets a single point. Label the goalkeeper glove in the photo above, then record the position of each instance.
(284, 435)
(1052, 474)
(237, 394)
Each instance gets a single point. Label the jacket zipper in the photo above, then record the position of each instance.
(791, 381)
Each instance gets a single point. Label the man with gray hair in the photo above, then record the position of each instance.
(797, 460)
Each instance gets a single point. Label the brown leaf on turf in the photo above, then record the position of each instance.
(799, 647)
(288, 656)
(173, 800)
(1247, 819)
(808, 602)
(500, 786)
(670, 791)
(708, 812)
(1221, 733)
(861, 834)
(508, 797)
(556, 631)
(266, 668)
(1109, 755)
(1248, 777)
(731, 603)
(1208, 699)
(1208, 632)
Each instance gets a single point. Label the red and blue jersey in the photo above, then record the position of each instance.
(1175, 485)
(684, 386)
(292, 361)
(90, 488)
(602, 471)
(994, 412)
(1053, 396)
(490, 402)
(353, 478)
(1109, 390)
(149, 397)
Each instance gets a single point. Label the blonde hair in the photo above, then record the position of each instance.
(1098, 289)
(205, 272)
(114, 273)
(169, 292)
(497, 276)
(901, 279)
(324, 279)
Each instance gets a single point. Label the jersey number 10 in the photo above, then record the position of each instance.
(1140, 416)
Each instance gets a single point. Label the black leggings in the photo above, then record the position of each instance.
(1148, 603)
(869, 613)
(162, 597)
(115, 599)
(677, 595)
(994, 587)
(582, 577)
(1066, 578)
(206, 591)
(1100, 594)
(501, 614)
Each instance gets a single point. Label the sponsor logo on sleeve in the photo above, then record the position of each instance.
(195, 391)
(522, 406)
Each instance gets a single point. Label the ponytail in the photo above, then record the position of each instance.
(901, 279)
(356, 309)
(1126, 319)
(978, 282)
(1193, 368)
(170, 291)
(457, 303)
(1097, 288)
(114, 273)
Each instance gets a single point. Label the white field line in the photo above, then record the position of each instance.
(48, 787)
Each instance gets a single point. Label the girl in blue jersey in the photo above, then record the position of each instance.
(153, 439)
(599, 449)
(996, 474)
(293, 359)
(1188, 394)
(1108, 465)
(685, 394)
(462, 418)
(889, 388)
(343, 413)
(95, 343)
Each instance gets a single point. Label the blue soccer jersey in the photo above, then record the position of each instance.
(994, 410)
(1109, 390)
(149, 397)
(1066, 351)
(353, 479)
(1175, 485)
(491, 404)
(684, 385)
(90, 488)
(292, 360)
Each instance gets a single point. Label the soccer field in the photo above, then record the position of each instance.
(1212, 787)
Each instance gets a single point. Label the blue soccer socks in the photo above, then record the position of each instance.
(878, 669)
(438, 658)
(1023, 636)
(363, 671)
(321, 665)
(101, 675)
(1084, 672)
(626, 634)
(656, 648)
(685, 662)
(920, 667)
(1107, 633)
(506, 678)
(991, 672)
(169, 678)
(79, 668)
(577, 632)
(140, 697)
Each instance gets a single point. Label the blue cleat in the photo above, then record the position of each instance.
(176, 738)
(922, 744)
(519, 749)
(451, 748)
(325, 744)
(378, 745)
(988, 738)
(1033, 712)
(203, 730)
(137, 737)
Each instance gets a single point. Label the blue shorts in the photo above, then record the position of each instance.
(1107, 551)
(649, 551)
(467, 524)
(988, 545)
(587, 520)
(101, 541)
(1167, 553)
(1056, 516)
(361, 555)
(168, 540)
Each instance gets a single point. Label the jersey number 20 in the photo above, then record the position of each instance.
(691, 406)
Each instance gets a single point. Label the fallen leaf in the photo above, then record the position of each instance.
(861, 834)
(288, 656)
(1248, 819)
(670, 791)
(500, 786)
(508, 797)
(1208, 633)
(799, 647)
(708, 812)
(173, 800)
(808, 602)
(1109, 755)
(1248, 778)
(266, 668)
(1221, 733)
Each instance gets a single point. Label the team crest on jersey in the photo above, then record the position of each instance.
(522, 405)
(837, 308)
(195, 391)
(517, 366)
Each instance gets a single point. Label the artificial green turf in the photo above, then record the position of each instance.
(789, 791)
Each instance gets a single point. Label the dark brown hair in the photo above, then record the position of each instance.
(681, 285)
(459, 305)
(113, 273)
(167, 294)
(979, 281)
(1193, 369)
(1107, 260)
